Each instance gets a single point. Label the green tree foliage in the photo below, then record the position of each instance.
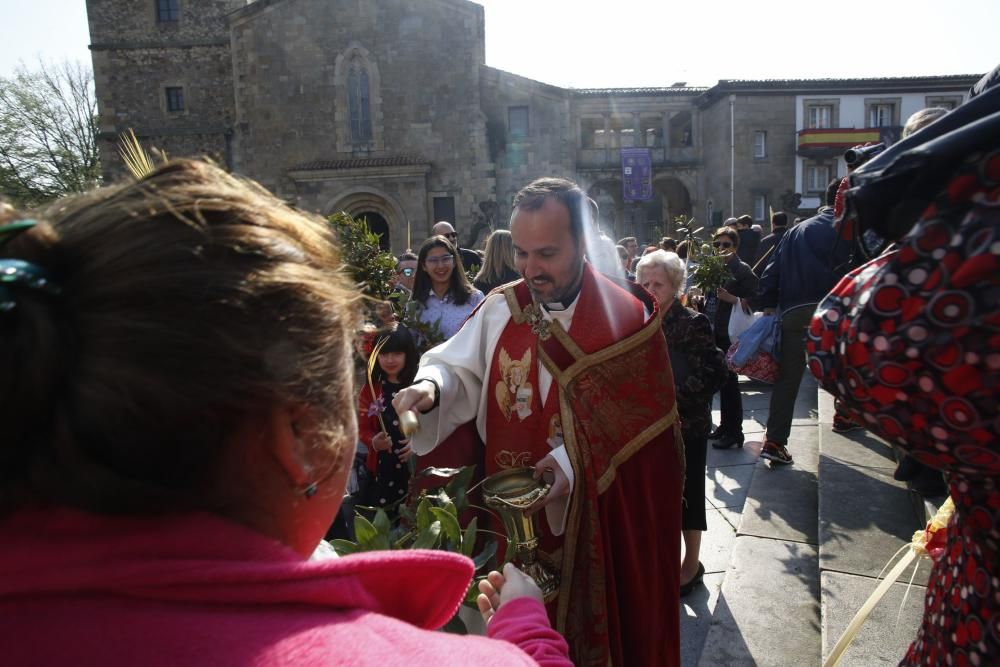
(48, 133)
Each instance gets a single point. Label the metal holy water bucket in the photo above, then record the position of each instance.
(510, 493)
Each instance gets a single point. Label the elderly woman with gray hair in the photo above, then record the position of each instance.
(699, 371)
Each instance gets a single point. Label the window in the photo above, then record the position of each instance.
(881, 114)
(944, 101)
(817, 177)
(175, 98)
(444, 209)
(820, 116)
(627, 137)
(358, 104)
(168, 11)
(592, 132)
(759, 207)
(651, 128)
(760, 144)
(517, 122)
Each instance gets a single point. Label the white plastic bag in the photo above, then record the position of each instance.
(740, 319)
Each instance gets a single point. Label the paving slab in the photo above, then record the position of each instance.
(726, 486)
(768, 610)
(865, 516)
(717, 541)
(748, 454)
(781, 504)
(857, 448)
(696, 615)
(890, 628)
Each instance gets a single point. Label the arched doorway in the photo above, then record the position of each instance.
(672, 198)
(384, 214)
(377, 225)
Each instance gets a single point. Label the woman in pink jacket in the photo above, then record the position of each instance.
(176, 430)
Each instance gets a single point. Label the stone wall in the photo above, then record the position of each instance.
(423, 62)
(770, 176)
(547, 150)
(136, 58)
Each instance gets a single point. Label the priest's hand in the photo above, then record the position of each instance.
(419, 396)
(549, 468)
(498, 589)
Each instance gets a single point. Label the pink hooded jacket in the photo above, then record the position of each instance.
(84, 589)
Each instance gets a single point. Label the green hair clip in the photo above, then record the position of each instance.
(17, 272)
(13, 229)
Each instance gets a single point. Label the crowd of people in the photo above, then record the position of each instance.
(179, 417)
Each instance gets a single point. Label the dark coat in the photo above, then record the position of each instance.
(806, 265)
(698, 365)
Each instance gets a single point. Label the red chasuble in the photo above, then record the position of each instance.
(612, 404)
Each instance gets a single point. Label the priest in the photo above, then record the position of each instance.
(566, 371)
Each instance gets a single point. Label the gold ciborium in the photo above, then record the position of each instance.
(510, 493)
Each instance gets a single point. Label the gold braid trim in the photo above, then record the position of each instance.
(626, 452)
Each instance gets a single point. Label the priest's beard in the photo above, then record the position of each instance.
(563, 290)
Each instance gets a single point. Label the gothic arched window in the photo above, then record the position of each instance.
(359, 103)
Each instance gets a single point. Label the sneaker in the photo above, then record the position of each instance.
(772, 451)
(843, 424)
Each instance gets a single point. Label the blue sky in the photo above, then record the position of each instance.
(653, 42)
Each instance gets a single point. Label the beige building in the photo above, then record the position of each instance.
(386, 109)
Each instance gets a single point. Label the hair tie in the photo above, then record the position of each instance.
(25, 274)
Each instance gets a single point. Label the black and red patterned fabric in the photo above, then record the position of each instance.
(910, 344)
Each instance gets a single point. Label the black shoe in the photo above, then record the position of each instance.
(728, 441)
(717, 433)
(695, 580)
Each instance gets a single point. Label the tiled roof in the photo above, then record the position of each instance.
(359, 163)
(795, 83)
(635, 92)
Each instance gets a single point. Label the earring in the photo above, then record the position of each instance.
(310, 490)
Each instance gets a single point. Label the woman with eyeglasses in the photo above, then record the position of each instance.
(441, 287)
(742, 285)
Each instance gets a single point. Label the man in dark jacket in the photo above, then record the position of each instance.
(779, 225)
(749, 239)
(807, 263)
(470, 259)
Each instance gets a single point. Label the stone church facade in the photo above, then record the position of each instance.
(386, 109)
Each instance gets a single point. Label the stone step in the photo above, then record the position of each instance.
(768, 609)
(865, 516)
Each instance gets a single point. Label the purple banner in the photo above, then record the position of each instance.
(637, 174)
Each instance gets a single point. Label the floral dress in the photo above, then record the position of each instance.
(391, 476)
(910, 344)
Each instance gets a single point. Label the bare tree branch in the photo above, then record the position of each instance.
(48, 133)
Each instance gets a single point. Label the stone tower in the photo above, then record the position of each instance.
(163, 69)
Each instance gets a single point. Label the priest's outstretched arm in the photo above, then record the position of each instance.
(448, 392)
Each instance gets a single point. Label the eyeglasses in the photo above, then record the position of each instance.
(443, 260)
(407, 272)
(722, 244)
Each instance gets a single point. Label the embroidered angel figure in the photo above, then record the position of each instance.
(513, 391)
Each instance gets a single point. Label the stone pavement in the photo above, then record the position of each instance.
(792, 552)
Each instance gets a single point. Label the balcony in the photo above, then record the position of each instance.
(597, 158)
(828, 142)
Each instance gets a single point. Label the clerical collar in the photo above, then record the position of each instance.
(557, 306)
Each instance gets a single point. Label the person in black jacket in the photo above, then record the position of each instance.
(742, 285)
(779, 225)
(749, 239)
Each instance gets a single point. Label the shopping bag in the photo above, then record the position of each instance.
(761, 366)
(740, 319)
